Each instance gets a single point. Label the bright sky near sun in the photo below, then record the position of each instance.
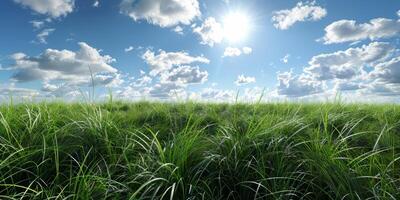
(200, 49)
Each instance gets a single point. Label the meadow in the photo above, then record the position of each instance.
(150, 150)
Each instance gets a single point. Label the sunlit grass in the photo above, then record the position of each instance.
(191, 150)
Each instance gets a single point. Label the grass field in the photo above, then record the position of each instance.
(199, 151)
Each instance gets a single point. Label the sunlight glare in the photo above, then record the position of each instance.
(236, 26)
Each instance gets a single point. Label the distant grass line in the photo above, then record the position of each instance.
(191, 150)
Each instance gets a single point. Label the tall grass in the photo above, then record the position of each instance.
(191, 150)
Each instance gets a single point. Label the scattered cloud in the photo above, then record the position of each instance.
(349, 31)
(170, 75)
(244, 80)
(381, 89)
(96, 4)
(297, 85)
(164, 61)
(72, 67)
(42, 35)
(212, 94)
(128, 49)
(37, 24)
(183, 75)
(210, 32)
(164, 13)
(349, 63)
(12, 91)
(178, 29)
(144, 80)
(247, 50)
(285, 59)
(52, 8)
(233, 51)
(370, 70)
(303, 11)
(345, 85)
(387, 72)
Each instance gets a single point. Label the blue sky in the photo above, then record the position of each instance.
(200, 49)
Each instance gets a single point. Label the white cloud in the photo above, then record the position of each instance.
(285, 59)
(382, 89)
(210, 32)
(73, 67)
(183, 75)
(52, 8)
(42, 36)
(349, 63)
(164, 61)
(349, 31)
(164, 13)
(387, 72)
(144, 80)
(11, 91)
(284, 19)
(244, 80)
(346, 85)
(128, 49)
(179, 30)
(398, 13)
(247, 50)
(212, 94)
(96, 4)
(171, 73)
(368, 71)
(37, 24)
(233, 51)
(60, 90)
(297, 85)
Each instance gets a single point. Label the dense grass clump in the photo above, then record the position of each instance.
(199, 151)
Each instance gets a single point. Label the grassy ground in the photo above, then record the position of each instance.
(199, 151)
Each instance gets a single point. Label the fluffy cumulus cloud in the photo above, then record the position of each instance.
(164, 13)
(387, 72)
(244, 80)
(381, 89)
(60, 90)
(169, 76)
(346, 85)
(82, 67)
(184, 75)
(349, 63)
(309, 11)
(164, 61)
(233, 51)
(367, 71)
(52, 8)
(349, 31)
(210, 32)
(297, 85)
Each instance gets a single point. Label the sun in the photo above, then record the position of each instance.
(236, 26)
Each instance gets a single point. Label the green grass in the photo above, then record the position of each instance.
(190, 150)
